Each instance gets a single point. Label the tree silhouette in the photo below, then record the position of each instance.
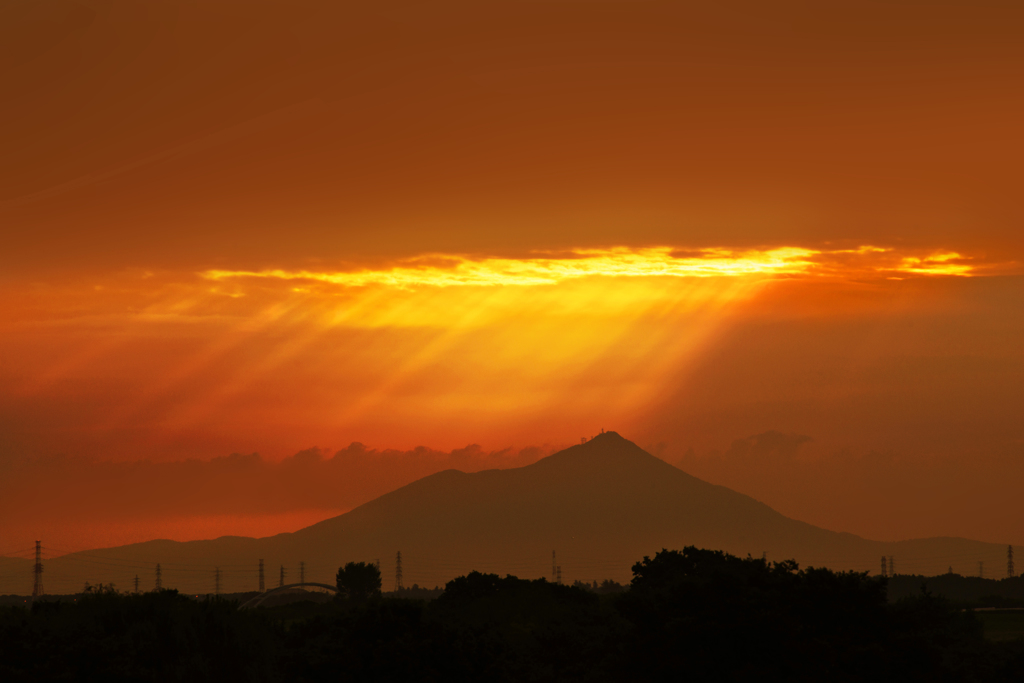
(358, 581)
(692, 614)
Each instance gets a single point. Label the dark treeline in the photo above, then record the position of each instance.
(696, 614)
(415, 592)
(969, 591)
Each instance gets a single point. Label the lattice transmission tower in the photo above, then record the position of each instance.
(262, 585)
(159, 578)
(1009, 562)
(37, 572)
(398, 571)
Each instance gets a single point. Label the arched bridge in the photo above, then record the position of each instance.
(258, 600)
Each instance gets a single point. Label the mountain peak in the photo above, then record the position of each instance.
(601, 505)
(608, 436)
(606, 449)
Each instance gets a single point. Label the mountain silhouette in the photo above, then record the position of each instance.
(600, 506)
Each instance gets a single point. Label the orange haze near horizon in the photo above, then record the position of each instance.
(776, 244)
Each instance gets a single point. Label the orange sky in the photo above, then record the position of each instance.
(778, 244)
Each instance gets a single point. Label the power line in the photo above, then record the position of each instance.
(73, 554)
(138, 565)
(37, 572)
(133, 564)
(129, 564)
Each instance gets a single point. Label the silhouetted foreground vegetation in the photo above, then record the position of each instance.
(694, 614)
(968, 591)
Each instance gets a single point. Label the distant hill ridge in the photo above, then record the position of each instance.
(600, 506)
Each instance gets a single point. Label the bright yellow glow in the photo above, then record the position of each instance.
(454, 271)
(936, 264)
(440, 270)
(438, 349)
